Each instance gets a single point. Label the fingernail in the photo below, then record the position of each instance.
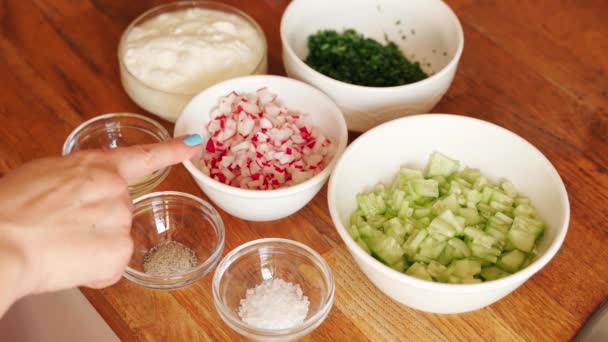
(193, 140)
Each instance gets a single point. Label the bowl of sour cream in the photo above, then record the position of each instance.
(174, 51)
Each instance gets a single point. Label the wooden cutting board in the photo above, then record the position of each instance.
(538, 68)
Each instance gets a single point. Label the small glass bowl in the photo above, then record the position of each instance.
(261, 260)
(165, 103)
(180, 217)
(114, 130)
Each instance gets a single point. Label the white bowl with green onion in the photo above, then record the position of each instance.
(425, 31)
(466, 212)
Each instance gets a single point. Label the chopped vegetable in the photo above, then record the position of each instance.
(352, 58)
(254, 142)
(447, 225)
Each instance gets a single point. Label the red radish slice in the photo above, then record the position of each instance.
(257, 143)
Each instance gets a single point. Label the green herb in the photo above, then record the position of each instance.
(352, 58)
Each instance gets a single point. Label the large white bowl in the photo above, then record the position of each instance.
(433, 37)
(264, 205)
(376, 157)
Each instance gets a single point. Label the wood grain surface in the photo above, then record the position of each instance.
(538, 68)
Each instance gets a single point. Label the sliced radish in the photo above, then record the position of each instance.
(257, 143)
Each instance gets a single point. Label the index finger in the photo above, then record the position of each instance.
(141, 160)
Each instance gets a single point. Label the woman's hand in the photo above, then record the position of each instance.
(65, 222)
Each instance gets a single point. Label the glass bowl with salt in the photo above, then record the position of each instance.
(178, 238)
(273, 289)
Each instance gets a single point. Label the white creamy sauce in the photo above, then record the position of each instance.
(187, 51)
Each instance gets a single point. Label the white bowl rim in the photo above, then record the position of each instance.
(514, 278)
(341, 139)
(455, 59)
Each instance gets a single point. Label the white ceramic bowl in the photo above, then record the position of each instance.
(433, 37)
(377, 155)
(169, 104)
(264, 205)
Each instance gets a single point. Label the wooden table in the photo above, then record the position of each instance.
(538, 68)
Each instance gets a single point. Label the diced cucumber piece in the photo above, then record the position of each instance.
(422, 212)
(440, 165)
(396, 199)
(405, 210)
(357, 218)
(470, 281)
(455, 188)
(400, 265)
(484, 253)
(363, 245)
(366, 231)
(486, 195)
(425, 187)
(497, 206)
(502, 198)
(446, 257)
(485, 210)
(465, 268)
(414, 241)
(385, 248)
(461, 250)
(480, 183)
(473, 197)
(456, 222)
(470, 174)
(479, 237)
(408, 173)
(522, 200)
(503, 218)
(511, 261)
(353, 231)
(450, 202)
(424, 221)
(435, 269)
(396, 229)
(371, 204)
(471, 216)
(441, 227)
(376, 222)
(525, 210)
(508, 188)
(419, 270)
(492, 273)
(529, 225)
(521, 240)
(431, 248)
(497, 234)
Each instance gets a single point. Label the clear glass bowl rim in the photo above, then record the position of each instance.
(227, 314)
(206, 265)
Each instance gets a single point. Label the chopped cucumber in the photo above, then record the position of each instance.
(512, 261)
(419, 270)
(452, 226)
(493, 273)
(440, 165)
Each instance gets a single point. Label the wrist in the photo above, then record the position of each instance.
(13, 264)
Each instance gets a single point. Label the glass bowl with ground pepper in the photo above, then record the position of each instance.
(378, 60)
(273, 289)
(178, 238)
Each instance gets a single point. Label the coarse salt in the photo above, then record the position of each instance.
(274, 304)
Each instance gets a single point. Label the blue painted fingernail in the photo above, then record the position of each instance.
(193, 140)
